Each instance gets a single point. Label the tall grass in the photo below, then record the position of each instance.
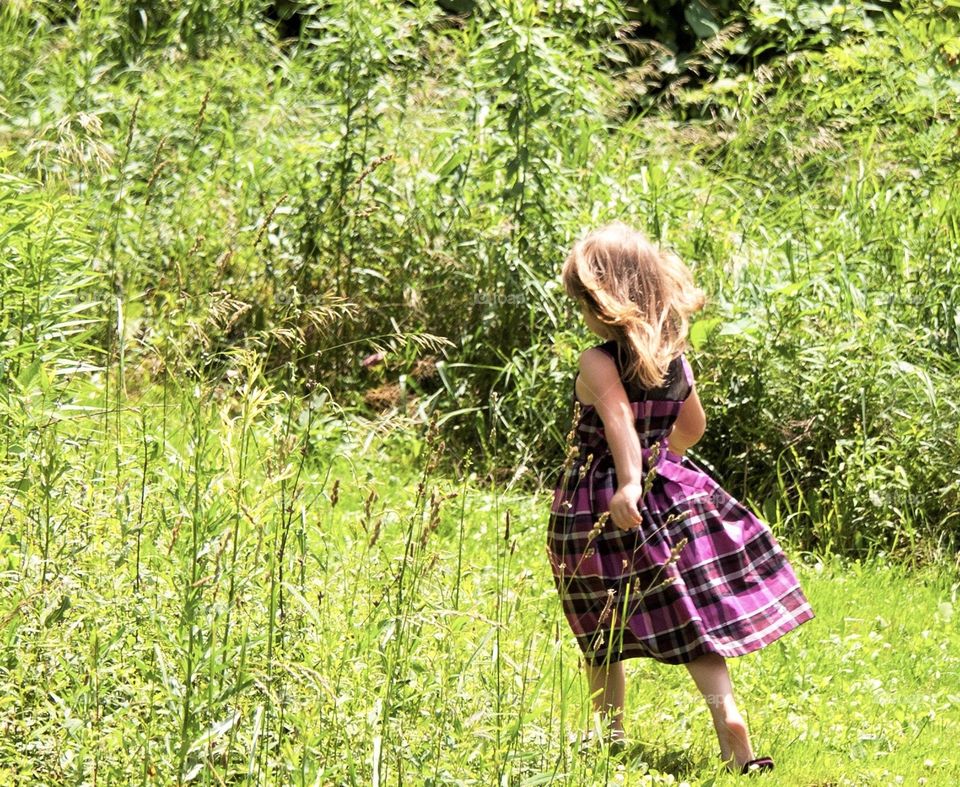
(415, 632)
(365, 200)
(215, 571)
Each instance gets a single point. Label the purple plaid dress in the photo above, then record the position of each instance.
(729, 590)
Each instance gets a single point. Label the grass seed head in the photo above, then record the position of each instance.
(376, 531)
(607, 607)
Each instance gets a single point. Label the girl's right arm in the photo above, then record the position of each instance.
(605, 392)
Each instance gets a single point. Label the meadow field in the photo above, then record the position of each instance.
(225, 610)
(286, 367)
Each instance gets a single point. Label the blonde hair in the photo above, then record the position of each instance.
(643, 294)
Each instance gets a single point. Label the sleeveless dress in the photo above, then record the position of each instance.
(701, 574)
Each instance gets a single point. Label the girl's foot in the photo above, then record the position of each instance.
(734, 740)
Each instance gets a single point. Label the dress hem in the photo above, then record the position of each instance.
(639, 650)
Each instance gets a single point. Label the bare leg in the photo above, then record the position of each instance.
(607, 687)
(710, 674)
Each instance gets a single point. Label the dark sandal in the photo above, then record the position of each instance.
(758, 765)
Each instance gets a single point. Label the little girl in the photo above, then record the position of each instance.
(650, 556)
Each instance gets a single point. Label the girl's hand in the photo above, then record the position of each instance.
(623, 506)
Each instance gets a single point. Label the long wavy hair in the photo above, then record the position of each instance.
(643, 294)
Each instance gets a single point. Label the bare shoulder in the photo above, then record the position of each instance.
(598, 375)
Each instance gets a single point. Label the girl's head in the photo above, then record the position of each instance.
(632, 291)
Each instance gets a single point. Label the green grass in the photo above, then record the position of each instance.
(405, 182)
(402, 182)
(214, 570)
(436, 658)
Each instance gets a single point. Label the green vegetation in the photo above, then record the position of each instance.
(401, 180)
(226, 609)
(233, 553)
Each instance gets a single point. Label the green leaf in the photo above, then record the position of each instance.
(744, 327)
(701, 19)
(52, 616)
(700, 331)
(26, 376)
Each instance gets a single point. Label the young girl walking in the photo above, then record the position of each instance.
(650, 556)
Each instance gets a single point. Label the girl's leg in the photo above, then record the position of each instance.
(710, 674)
(607, 685)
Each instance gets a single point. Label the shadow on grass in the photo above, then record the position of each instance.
(681, 763)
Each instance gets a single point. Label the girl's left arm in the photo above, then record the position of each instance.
(606, 393)
(690, 425)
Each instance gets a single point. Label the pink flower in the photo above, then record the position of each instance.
(372, 360)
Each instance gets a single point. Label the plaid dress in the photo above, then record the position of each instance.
(701, 574)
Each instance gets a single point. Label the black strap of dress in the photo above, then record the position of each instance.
(676, 386)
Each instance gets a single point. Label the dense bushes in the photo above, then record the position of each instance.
(398, 181)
